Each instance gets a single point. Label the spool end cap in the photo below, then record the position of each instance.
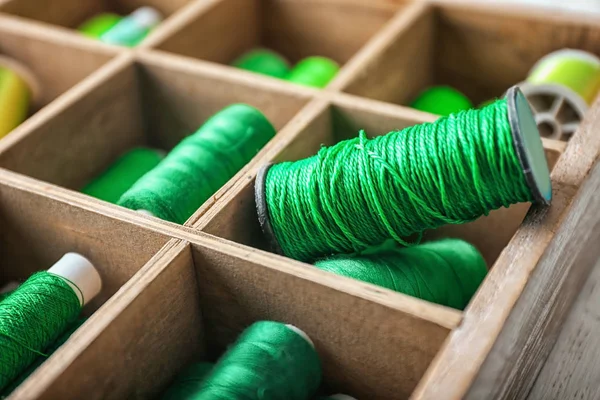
(81, 273)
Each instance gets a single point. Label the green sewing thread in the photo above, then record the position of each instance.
(40, 359)
(189, 382)
(123, 173)
(314, 71)
(263, 61)
(98, 25)
(269, 361)
(198, 166)
(360, 193)
(446, 272)
(31, 319)
(441, 100)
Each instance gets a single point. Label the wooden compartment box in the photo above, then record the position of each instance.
(178, 293)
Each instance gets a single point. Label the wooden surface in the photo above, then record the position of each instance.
(177, 293)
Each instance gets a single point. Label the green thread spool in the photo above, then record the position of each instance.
(40, 310)
(446, 272)
(269, 361)
(99, 25)
(198, 166)
(560, 87)
(123, 173)
(314, 71)
(189, 382)
(360, 193)
(18, 90)
(40, 359)
(132, 29)
(441, 100)
(263, 61)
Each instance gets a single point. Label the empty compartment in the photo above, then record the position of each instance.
(55, 65)
(73, 13)
(36, 231)
(146, 103)
(479, 51)
(198, 298)
(343, 120)
(226, 29)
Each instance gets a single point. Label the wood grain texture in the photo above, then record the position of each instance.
(361, 332)
(72, 13)
(57, 61)
(572, 370)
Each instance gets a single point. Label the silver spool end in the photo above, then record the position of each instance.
(262, 209)
(557, 110)
(528, 146)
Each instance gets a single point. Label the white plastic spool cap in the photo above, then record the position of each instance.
(145, 212)
(146, 17)
(301, 333)
(80, 274)
(342, 397)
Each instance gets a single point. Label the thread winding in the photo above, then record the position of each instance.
(31, 319)
(200, 164)
(446, 272)
(360, 192)
(269, 361)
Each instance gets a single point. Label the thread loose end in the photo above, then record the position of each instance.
(528, 146)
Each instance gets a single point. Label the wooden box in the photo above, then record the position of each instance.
(173, 294)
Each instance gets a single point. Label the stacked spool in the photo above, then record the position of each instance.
(345, 203)
(174, 186)
(40, 314)
(269, 361)
(312, 71)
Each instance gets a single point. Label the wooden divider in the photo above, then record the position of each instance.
(177, 293)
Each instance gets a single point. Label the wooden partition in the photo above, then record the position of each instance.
(175, 294)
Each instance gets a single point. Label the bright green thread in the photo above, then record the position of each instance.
(188, 382)
(359, 193)
(123, 173)
(263, 61)
(40, 359)
(441, 100)
(314, 72)
(31, 319)
(200, 164)
(446, 272)
(269, 361)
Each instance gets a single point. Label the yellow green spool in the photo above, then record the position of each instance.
(17, 89)
(560, 87)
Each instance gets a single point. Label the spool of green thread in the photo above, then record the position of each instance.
(40, 359)
(269, 361)
(314, 71)
(446, 272)
(40, 310)
(198, 166)
(441, 100)
(189, 382)
(360, 193)
(98, 25)
(123, 173)
(263, 61)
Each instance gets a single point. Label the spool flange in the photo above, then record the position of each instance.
(557, 110)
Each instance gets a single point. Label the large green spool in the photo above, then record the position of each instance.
(314, 72)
